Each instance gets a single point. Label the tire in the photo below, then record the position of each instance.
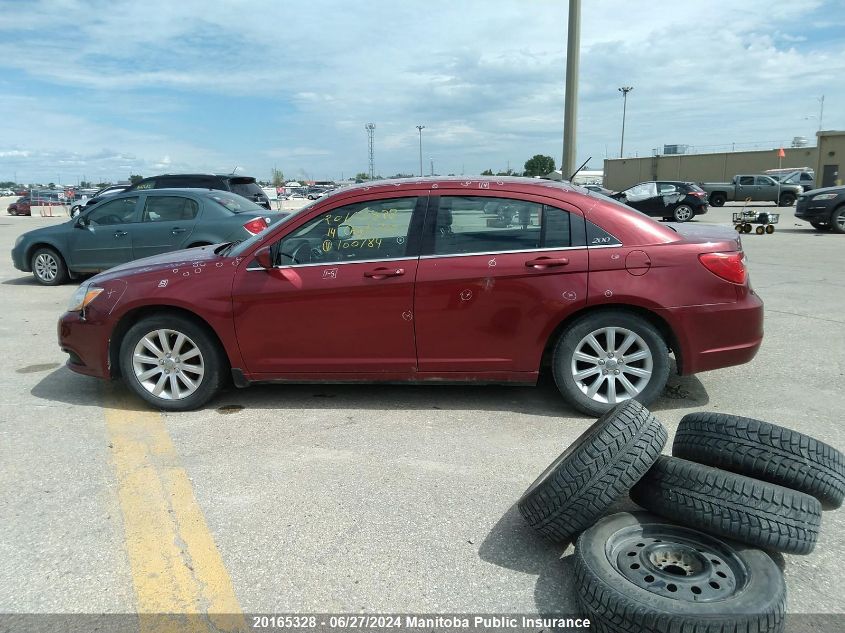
(786, 200)
(760, 230)
(738, 228)
(770, 228)
(48, 267)
(683, 213)
(597, 469)
(764, 451)
(626, 583)
(746, 228)
(837, 220)
(820, 227)
(647, 339)
(207, 372)
(730, 505)
(717, 199)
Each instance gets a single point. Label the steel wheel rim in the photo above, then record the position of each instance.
(611, 365)
(677, 563)
(46, 267)
(840, 220)
(168, 364)
(683, 213)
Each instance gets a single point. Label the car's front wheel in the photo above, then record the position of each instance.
(837, 220)
(786, 200)
(48, 267)
(607, 357)
(172, 362)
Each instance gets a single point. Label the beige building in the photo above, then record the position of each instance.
(826, 159)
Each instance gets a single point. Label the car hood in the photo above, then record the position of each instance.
(186, 258)
(812, 192)
(46, 231)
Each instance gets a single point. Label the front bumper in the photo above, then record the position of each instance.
(810, 211)
(86, 343)
(718, 335)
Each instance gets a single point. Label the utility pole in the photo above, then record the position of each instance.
(624, 90)
(431, 158)
(570, 102)
(371, 131)
(420, 128)
(821, 112)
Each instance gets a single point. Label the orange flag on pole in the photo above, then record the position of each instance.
(781, 153)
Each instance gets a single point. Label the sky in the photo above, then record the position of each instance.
(101, 90)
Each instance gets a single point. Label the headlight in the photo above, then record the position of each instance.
(825, 196)
(84, 295)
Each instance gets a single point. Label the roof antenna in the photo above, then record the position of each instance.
(237, 167)
(584, 164)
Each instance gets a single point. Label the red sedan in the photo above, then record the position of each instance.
(481, 280)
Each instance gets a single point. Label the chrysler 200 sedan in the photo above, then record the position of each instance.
(134, 225)
(415, 281)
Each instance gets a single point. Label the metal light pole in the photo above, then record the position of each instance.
(624, 90)
(570, 103)
(420, 128)
(431, 158)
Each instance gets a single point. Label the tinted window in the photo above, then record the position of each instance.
(746, 180)
(764, 180)
(175, 182)
(169, 209)
(246, 187)
(806, 176)
(234, 203)
(377, 229)
(119, 211)
(666, 187)
(485, 225)
(146, 184)
(556, 228)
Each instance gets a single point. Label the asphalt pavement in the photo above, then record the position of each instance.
(367, 498)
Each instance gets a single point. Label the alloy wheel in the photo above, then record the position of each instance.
(682, 213)
(612, 364)
(46, 267)
(168, 364)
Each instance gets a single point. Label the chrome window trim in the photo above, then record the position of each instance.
(529, 250)
(349, 261)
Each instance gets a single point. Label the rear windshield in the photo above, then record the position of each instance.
(235, 203)
(693, 187)
(246, 187)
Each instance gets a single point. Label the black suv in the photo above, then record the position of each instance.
(823, 208)
(242, 185)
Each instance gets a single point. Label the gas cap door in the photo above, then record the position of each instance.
(637, 263)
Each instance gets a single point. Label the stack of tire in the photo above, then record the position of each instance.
(735, 489)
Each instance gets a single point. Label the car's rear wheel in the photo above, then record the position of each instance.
(837, 220)
(683, 213)
(717, 199)
(48, 267)
(172, 362)
(608, 357)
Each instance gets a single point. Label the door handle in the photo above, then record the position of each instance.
(542, 262)
(178, 230)
(382, 273)
(120, 233)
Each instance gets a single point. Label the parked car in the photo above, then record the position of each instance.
(133, 225)
(245, 186)
(806, 178)
(407, 281)
(6, 192)
(21, 206)
(599, 189)
(752, 187)
(670, 200)
(823, 208)
(98, 197)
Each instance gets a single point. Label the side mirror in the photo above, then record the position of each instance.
(344, 232)
(264, 257)
(81, 222)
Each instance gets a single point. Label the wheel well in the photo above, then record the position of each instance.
(133, 316)
(31, 251)
(657, 321)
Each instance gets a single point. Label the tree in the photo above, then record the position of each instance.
(487, 172)
(135, 179)
(362, 176)
(509, 172)
(539, 165)
(278, 178)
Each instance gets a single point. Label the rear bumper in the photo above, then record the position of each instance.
(717, 336)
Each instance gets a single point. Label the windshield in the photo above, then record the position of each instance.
(246, 187)
(235, 203)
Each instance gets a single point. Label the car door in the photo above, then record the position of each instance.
(767, 188)
(339, 301)
(167, 222)
(102, 237)
(746, 189)
(669, 195)
(496, 274)
(644, 197)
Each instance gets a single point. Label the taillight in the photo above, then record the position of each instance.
(256, 226)
(698, 194)
(728, 266)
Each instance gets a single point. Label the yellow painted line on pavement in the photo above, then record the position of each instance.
(176, 567)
